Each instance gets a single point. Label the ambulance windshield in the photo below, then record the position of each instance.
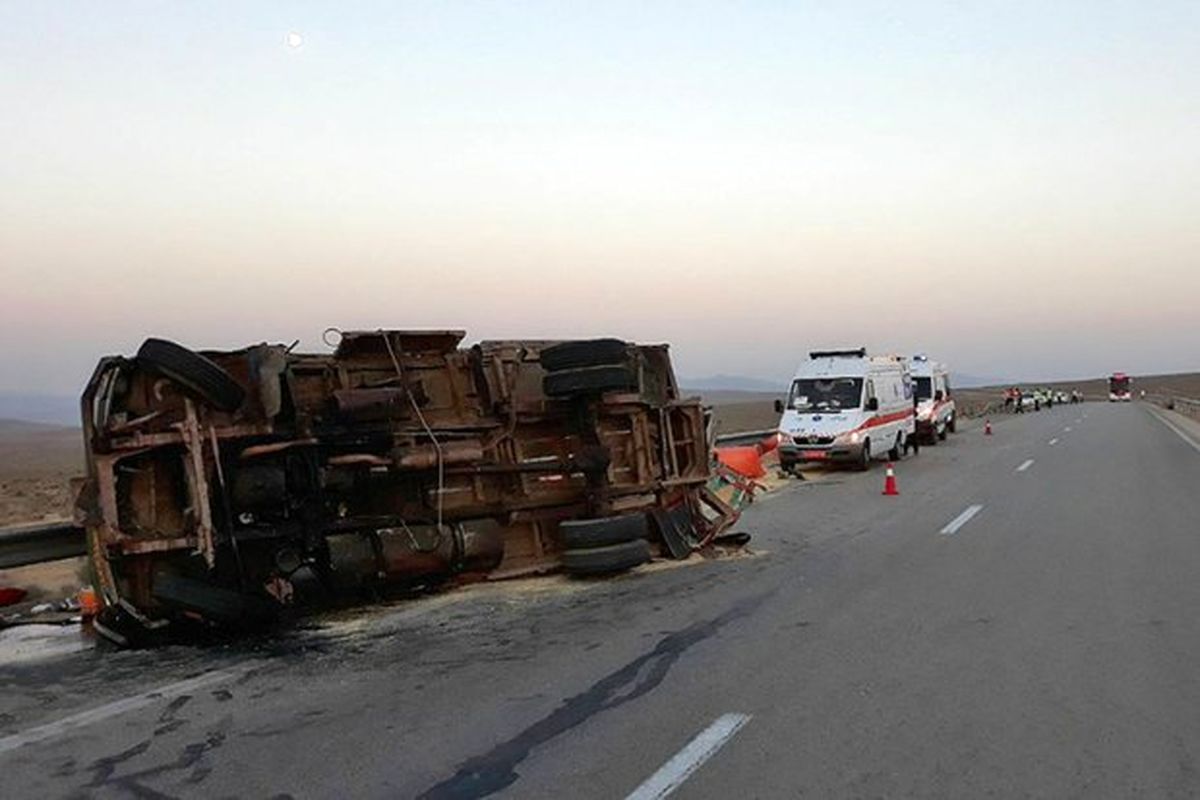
(825, 394)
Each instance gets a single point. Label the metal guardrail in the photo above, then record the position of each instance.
(1188, 406)
(742, 438)
(21, 545)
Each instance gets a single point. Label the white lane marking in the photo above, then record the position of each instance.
(123, 706)
(671, 775)
(960, 520)
(1053, 442)
(1025, 465)
(1178, 431)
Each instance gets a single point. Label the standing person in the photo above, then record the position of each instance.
(914, 440)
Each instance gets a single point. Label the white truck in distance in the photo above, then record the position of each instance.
(847, 407)
(936, 412)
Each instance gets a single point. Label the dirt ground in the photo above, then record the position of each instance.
(37, 463)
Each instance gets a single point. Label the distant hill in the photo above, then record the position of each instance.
(730, 383)
(25, 426)
(964, 381)
(1180, 384)
(744, 383)
(52, 409)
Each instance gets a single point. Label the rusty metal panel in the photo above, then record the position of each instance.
(393, 434)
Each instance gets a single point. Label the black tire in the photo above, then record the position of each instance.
(192, 371)
(118, 626)
(215, 602)
(942, 433)
(580, 534)
(602, 560)
(952, 425)
(590, 380)
(895, 453)
(864, 458)
(584, 353)
(932, 439)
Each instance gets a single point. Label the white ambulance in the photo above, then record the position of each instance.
(936, 413)
(847, 407)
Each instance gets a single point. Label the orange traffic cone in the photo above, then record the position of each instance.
(987, 427)
(889, 483)
(89, 602)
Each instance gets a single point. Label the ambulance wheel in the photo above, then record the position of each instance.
(952, 425)
(942, 433)
(894, 454)
(864, 457)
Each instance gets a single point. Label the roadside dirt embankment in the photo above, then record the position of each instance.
(37, 463)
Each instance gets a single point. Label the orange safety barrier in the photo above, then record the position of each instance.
(744, 460)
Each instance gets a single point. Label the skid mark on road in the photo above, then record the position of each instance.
(123, 706)
(1025, 465)
(960, 520)
(672, 774)
(496, 769)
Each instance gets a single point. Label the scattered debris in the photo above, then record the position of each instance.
(35, 642)
(10, 596)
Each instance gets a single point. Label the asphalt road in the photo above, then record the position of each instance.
(1045, 644)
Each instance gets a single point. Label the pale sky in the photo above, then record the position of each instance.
(1011, 187)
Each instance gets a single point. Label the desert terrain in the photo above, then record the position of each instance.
(38, 461)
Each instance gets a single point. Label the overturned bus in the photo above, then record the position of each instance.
(228, 488)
